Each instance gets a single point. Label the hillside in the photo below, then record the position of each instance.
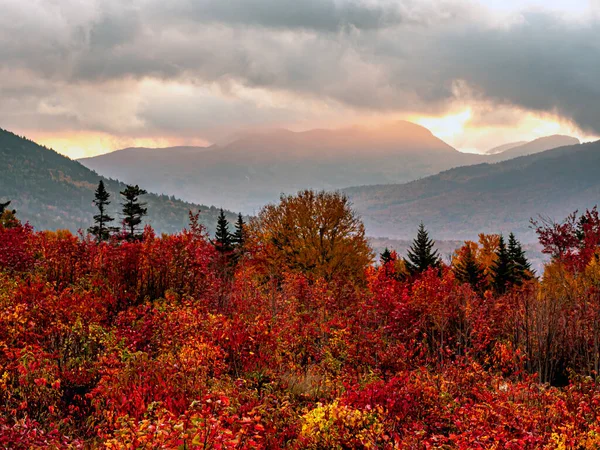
(488, 198)
(52, 191)
(255, 168)
(542, 144)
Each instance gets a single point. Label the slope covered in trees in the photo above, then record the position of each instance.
(53, 192)
(463, 202)
(152, 344)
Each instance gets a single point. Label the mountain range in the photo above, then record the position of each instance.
(490, 198)
(254, 169)
(51, 191)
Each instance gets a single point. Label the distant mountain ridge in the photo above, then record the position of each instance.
(502, 148)
(254, 169)
(53, 192)
(536, 146)
(491, 198)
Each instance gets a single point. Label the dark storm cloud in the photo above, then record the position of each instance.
(372, 55)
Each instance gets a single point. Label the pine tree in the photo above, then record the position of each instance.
(521, 268)
(239, 237)
(386, 256)
(502, 269)
(101, 230)
(468, 269)
(133, 210)
(422, 255)
(223, 238)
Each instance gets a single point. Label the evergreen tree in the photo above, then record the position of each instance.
(133, 210)
(468, 270)
(386, 256)
(521, 268)
(7, 216)
(422, 255)
(502, 269)
(3, 206)
(239, 237)
(223, 238)
(101, 230)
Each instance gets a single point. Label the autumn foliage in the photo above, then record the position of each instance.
(152, 344)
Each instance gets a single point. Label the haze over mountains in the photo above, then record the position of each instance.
(254, 169)
(485, 198)
(53, 192)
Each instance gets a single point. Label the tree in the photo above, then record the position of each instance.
(502, 269)
(240, 235)
(421, 254)
(466, 267)
(223, 238)
(133, 210)
(521, 268)
(7, 216)
(314, 233)
(101, 230)
(3, 206)
(386, 256)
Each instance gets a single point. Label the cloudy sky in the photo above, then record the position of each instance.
(89, 76)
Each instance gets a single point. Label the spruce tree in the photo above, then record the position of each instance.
(133, 210)
(521, 268)
(239, 236)
(223, 238)
(468, 269)
(101, 230)
(422, 255)
(502, 269)
(386, 256)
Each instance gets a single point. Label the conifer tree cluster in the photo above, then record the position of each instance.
(422, 254)
(133, 212)
(511, 266)
(225, 241)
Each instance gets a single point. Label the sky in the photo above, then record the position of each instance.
(90, 76)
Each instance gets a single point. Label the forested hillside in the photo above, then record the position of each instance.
(463, 202)
(53, 192)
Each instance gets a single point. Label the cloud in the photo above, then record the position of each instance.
(81, 65)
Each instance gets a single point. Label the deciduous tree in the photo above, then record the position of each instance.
(315, 233)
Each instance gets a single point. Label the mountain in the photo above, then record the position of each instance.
(504, 147)
(489, 198)
(254, 169)
(52, 191)
(536, 146)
